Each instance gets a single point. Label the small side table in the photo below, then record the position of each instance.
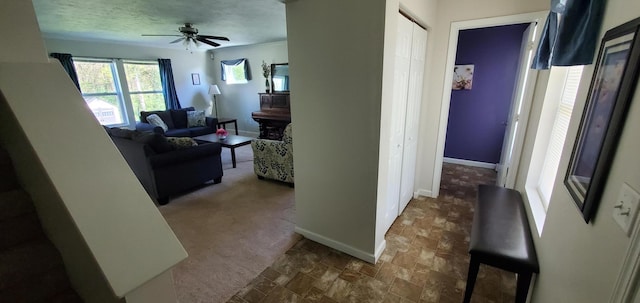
(222, 122)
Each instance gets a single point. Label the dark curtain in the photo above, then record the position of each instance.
(168, 85)
(570, 34)
(67, 63)
(235, 62)
(286, 83)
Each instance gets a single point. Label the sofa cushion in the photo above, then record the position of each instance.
(157, 121)
(179, 117)
(182, 142)
(178, 132)
(200, 131)
(195, 118)
(165, 115)
(121, 133)
(157, 142)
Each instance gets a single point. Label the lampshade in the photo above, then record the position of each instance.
(214, 90)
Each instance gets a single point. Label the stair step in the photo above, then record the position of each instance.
(15, 203)
(52, 286)
(8, 180)
(21, 263)
(21, 229)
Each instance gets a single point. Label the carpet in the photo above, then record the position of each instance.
(232, 231)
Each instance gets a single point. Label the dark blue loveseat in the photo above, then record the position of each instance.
(164, 170)
(176, 120)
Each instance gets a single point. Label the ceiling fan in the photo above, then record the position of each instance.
(190, 34)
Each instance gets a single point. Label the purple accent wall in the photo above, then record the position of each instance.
(477, 117)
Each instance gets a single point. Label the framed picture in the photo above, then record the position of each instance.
(611, 90)
(195, 79)
(462, 77)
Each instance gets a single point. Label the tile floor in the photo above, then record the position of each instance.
(426, 258)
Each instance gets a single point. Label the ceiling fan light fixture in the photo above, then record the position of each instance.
(190, 34)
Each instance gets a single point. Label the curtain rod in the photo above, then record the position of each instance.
(111, 58)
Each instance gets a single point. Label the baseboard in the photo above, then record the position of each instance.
(424, 193)
(470, 163)
(367, 257)
(380, 250)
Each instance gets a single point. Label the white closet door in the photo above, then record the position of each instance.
(414, 98)
(398, 112)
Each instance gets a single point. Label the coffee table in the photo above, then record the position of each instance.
(231, 142)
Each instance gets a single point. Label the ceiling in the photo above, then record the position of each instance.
(244, 22)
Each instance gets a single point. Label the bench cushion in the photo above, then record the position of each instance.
(500, 235)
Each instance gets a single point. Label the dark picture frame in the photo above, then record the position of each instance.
(610, 93)
(195, 79)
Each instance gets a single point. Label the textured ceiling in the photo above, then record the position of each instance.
(242, 21)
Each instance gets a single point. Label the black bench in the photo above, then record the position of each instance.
(500, 237)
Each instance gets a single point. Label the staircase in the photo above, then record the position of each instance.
(31, 269)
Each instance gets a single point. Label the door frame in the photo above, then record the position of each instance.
(521, 91)
(456, 27)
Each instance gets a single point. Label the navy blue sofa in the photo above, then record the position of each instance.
(164, 170)
(176, 120)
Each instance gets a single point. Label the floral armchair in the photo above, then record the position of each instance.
(274, 159)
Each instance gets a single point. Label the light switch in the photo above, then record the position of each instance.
(626, 208)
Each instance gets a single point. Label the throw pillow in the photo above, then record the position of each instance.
(165, 115)
(157, 121)
(179, 117)
(195, 118)
(181, 142)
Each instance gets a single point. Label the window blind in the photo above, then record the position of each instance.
(558, 134)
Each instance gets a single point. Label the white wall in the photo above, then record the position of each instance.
(447, 12)
(335, 61)
(183, 63)
(20, 29)
(239, 100)
(581, 262)
(112, 241)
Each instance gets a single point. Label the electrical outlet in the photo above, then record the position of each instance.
(626, 208)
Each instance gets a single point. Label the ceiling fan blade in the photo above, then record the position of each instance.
(203, 40)
(195, 42)
(147, 35)
(177, 40)
(214, 37)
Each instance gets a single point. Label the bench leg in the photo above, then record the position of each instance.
(474, 265)
(522, 288)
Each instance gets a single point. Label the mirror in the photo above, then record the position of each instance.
(280, 77)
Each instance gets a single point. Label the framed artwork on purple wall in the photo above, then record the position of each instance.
(462, 77)
(610, 93)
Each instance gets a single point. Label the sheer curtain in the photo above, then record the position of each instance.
(168, 85)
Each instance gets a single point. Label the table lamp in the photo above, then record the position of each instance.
(214, 90)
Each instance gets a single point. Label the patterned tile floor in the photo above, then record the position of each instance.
(426, 258)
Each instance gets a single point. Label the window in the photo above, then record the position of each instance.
(235, 71)
(145, 89)
(116, 90)
(100, 89)
(558, 134)
(556, 112)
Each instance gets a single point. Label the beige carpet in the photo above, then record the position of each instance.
(232, 231)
